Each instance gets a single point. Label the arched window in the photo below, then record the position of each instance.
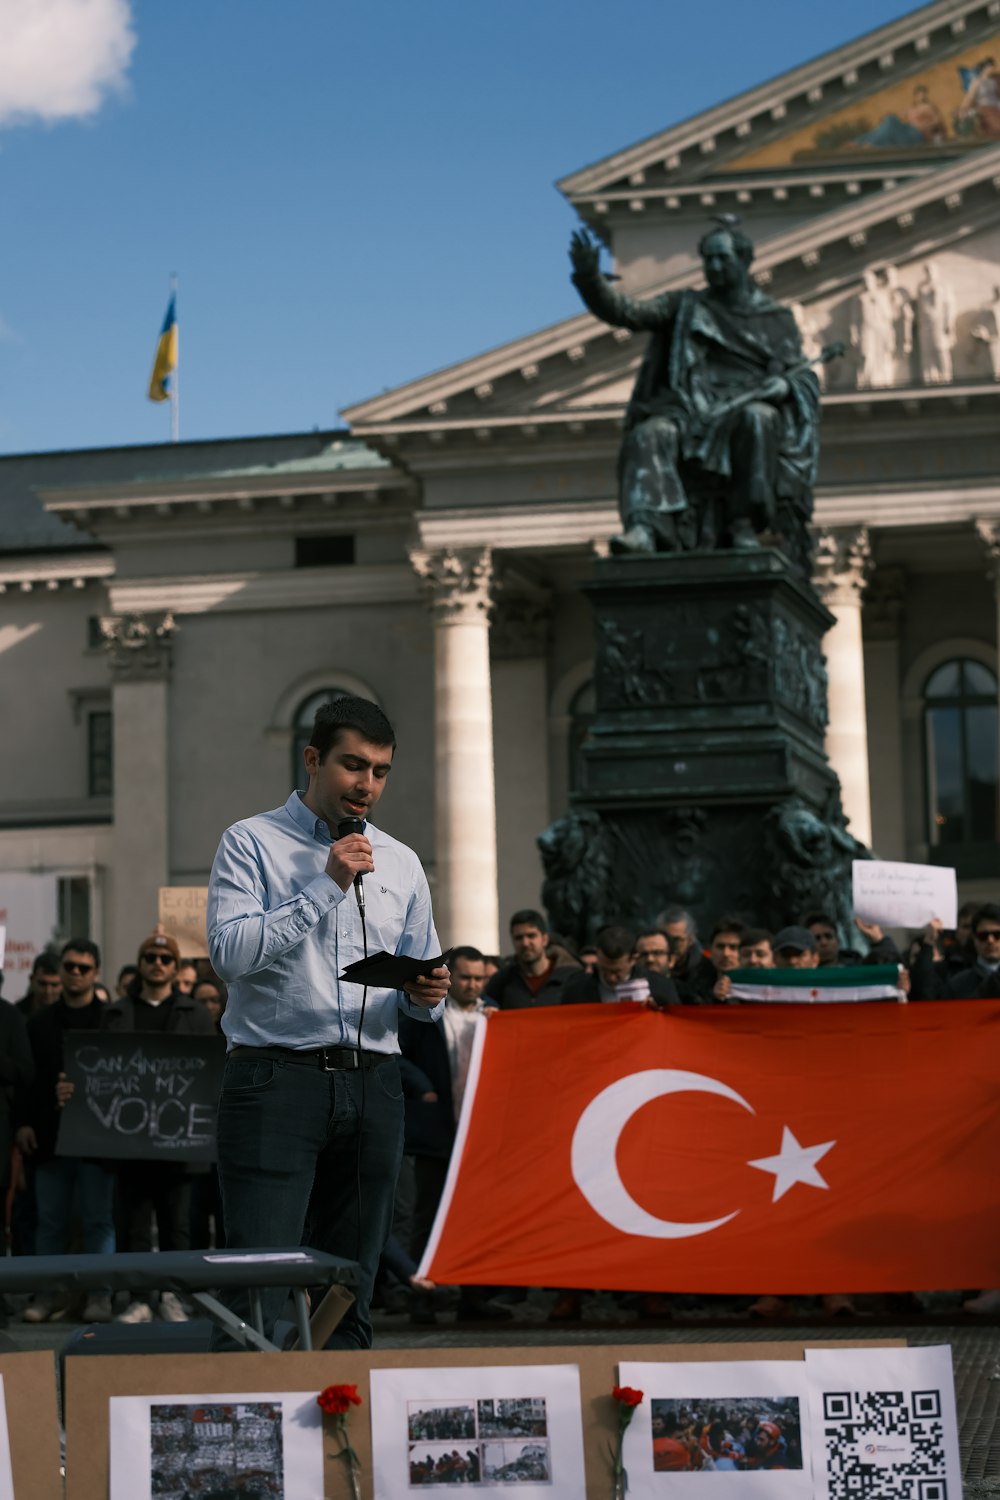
(302, 726)
(960, 730)
(582, 708)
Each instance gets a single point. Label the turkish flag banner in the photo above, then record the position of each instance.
(785, 1148)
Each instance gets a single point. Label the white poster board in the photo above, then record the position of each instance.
(160, 1446)
(6, 1472)
(719, 1428)
(29, 912)
(182, 915)
(497, 1427)
(903, 895)
(883, 1422)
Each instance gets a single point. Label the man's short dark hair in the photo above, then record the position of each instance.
(528, 918)
(811, 919)
(727, 924)
(650, 932)
(359, 714)
(751, 936)
(990, 912)
(45, 963)
(82, 945)
(471, 955)
(616, 942)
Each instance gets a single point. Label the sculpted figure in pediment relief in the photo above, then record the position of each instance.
(809, 322)
(721, 431)
(881, 328)
(987, 331)
(935, 327)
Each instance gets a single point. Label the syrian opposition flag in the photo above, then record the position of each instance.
(793, 1148)
(814, 986)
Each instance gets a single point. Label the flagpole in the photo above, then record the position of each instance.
(175, 384)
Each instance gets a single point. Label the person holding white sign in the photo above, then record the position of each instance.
(980, 980)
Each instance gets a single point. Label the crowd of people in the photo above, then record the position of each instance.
(60, 1203)
(57, 1203)
(740, 1436)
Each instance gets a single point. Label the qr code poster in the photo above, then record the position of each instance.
(508, 1428)
(883, 1424)
(722, 1428)
(269, 1445)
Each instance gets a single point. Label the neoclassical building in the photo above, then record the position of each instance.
(171, 616)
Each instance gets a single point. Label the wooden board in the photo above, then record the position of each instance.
(90, 1382)
(29, 1383)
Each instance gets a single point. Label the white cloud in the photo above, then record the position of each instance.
(60, 58)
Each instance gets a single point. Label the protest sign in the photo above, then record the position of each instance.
(902, 895)
(182, 916)
(141, 1096)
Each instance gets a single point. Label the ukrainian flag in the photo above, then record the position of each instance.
(165, 360)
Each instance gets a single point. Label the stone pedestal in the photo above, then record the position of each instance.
(705, 778)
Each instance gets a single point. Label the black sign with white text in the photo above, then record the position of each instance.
(142, 1096)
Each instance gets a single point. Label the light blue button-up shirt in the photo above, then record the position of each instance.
(280, 931)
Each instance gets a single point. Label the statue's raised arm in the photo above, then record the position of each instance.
(721, 430)
(603, 299)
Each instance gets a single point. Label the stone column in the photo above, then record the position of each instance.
(883, 607)
(465, 898)
(139, 654)
(843, 561)
(519, 636)
(989, 534)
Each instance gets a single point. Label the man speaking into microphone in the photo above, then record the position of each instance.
(310, 1128)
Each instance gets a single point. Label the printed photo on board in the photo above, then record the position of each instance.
(739, 1434)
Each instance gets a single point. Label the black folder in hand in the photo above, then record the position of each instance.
(390, 971)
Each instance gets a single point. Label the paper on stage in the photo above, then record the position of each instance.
(883, 1422)
(390, 971)
(716, 1407)
(159, 1441)
(903, 895)
(496, 1427)
(6, 1473)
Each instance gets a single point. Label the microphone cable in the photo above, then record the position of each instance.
(344, 827)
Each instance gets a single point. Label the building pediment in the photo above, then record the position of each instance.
(581, 369)
(816, 120)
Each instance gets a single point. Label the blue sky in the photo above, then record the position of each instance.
(352, 194)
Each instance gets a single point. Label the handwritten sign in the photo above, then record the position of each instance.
(141, 1096)
(182, 916)
(901, 895)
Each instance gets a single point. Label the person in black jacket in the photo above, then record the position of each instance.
(616, 976)
(160, 1189)
(980, 980)
(535, 977)
(61, 1181)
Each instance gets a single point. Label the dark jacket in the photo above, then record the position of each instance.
(35, 1104)
(16, 1071)
(585, 989)
(508, 991)
(187, 1017)
(425, 1069)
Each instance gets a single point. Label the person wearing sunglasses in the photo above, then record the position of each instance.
(62, 1180)
(154, 1001)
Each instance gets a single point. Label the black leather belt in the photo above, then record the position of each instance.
(328, 1059)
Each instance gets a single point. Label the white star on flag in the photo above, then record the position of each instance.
(794, 1163)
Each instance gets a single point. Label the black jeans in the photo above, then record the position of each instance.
(307, 1157)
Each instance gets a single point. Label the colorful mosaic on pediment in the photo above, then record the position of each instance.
(951, 105)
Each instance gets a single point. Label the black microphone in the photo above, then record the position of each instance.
(344, 827)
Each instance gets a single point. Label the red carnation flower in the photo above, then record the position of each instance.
(626, 1395)
(337, 1399)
